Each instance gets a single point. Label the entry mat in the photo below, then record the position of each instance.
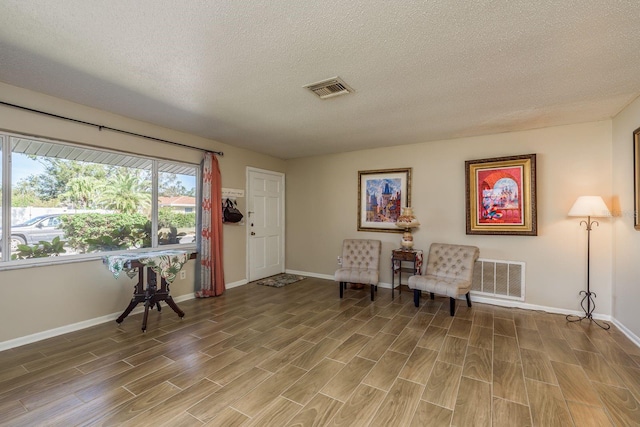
(279, 280)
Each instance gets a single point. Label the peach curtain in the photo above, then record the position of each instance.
(210, 280)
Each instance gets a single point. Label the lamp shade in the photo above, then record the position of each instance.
(589, 206)
(407, 219)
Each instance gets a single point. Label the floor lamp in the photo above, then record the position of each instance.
(589, 206)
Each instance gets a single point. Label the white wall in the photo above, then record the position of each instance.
(322, 207)
(626, 268)
(39, 299)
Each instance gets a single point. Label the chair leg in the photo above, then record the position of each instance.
(452, 305)
(341, 284)
(468, 300)
(416, 297)
(372, 291)
(432, 295)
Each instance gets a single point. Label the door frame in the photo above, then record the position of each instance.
(281, 175)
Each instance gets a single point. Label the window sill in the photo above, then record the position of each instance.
(69, 259)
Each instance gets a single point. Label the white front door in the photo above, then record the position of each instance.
(265, 207)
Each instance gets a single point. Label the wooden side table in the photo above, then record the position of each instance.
(404, 261)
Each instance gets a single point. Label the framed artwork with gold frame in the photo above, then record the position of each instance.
(381, 196)
(501, 196)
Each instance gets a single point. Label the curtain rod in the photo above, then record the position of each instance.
(101, 127)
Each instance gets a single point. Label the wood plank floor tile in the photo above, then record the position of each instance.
(473, 404)
(613, 353)
(508, 382)
(621, 405)
(277, 414)
(442, 387)
(630, 377)
(529, 338)
(453, 350)
(377, 346)
(504, 327)
(11, 409)
(396, 325)
(460, 328)
(317, 412)
(597, 368)
(524, 320)
(73, 384)
(508, 414)
(548, 407)
(384, 373)
(303, 390)
(588, 416)
(419, 365)
(481, 337)
(574, 383)
(483, 319)
(506, 349)
(433, 338)
(91, 412)
(229, 417)
(348, 379)
(286, 355)
(268, 390)
(315, 354)
(349, 348)
(406, 341)
(537, 366)
(559, 350)
(399, 406)
(429, 415)
(132, 407)
(360, 408)
(209, 409)
(373, 326)
(478, 364)
(175, 405)
(420, 321)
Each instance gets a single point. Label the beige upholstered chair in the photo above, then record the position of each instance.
(449, 272)
(360, 262)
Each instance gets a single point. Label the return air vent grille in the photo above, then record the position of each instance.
(329, 88)
(503, 279)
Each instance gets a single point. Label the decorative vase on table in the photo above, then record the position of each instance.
(407, 221)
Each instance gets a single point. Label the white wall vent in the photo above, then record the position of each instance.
(329, 88)
(495, 278)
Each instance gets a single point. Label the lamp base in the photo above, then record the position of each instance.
(591, 305)
(407, 240)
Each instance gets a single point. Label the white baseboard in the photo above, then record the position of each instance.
(235, 284)
(328, 277)
(633, 337)
(28, 339)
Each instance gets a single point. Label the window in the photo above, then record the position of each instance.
(70, 200)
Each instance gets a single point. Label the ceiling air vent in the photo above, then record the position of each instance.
(329, 88)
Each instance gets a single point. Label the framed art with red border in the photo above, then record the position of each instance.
(501, 196)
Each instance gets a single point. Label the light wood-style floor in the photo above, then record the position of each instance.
(299, 355)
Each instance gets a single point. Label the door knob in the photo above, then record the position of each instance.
(253, 234)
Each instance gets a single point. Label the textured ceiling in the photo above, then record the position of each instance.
(422, 70)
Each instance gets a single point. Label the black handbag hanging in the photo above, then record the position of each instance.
(230, 213)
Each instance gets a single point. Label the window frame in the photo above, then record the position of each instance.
(7, 186)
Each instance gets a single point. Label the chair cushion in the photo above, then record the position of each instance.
(354, 275)
(449, 270)
(440, 285)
